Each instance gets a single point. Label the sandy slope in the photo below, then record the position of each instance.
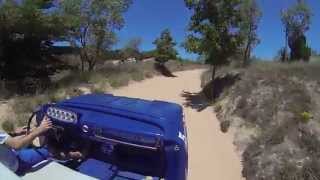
(212, 155)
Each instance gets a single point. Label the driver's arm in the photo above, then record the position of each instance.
(22, 141)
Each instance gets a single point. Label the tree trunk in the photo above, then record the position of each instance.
(246, 54)
(249, 56)
(91, 65)
(82, 65)
(83, 60)
(286, 45)
(213, 77)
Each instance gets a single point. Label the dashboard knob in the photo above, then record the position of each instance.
(85, 128)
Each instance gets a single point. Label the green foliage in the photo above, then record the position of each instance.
(94, 24)
(297, 20)
(215, 27)
(149, 54)
(113, 54)
(306, 117)
(215, 32)
(297, 17)
(251, 15)
(25, 35)
(299, 48)
(165, 47)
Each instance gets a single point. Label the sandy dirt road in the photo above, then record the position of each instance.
(212, 155)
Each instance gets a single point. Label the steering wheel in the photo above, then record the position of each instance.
(30, 120)
(42, 142)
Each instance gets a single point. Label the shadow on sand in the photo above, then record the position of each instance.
(221, 85)
(164, 70)
(201, 100)
(196, 101)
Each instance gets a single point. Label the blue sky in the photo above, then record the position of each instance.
(147, 18)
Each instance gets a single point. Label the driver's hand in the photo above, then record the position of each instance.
(45, 125)
(20, 131)
(75, 155)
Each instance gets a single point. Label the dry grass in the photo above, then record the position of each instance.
(8, 126)
(121, 79)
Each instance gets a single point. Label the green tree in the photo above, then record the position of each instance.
(165, 47)
(93, 24)
(26, 33)
(297, 20)
(215, 31)
(251, 15)
(149, 54)
(132, 49)
(299, 48)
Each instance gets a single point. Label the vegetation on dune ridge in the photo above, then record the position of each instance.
(274, 109)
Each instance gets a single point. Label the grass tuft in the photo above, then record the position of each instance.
(8, 126)
(306, 117)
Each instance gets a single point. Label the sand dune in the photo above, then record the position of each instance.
(212, 155)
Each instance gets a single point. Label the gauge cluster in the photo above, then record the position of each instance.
(62, 115)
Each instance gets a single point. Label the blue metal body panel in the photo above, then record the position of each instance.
(154, 125)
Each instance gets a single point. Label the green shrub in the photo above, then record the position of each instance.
(58, 95)
(8, 126)
(122, 79)
(148, 74)
(78, 77)
(96, 78)
(69, 80)
(224, 126)
(137, 76)
(98, 91)
(306, 117)
(217, 108)
(101, 87)
(73, 92)
(28, 104)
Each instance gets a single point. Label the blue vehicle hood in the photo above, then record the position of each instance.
(167, 116)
